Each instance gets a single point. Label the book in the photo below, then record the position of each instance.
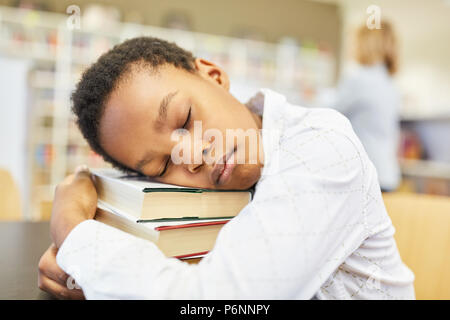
(176, 238)
(147, 200)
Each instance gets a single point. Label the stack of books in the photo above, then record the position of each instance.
(182, 221)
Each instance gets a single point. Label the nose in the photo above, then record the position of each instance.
(196, 165)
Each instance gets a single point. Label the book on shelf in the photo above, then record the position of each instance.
(146, 200)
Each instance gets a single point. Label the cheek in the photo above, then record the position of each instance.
(179, 176)
(245, 176)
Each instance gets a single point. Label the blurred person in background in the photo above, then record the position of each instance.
(369, 99)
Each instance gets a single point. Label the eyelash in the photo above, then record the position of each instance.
(188, 118)
(183, 127)
(165, 168)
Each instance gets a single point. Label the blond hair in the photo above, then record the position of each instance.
(377, 46)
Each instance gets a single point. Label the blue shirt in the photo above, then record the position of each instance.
(370, 101)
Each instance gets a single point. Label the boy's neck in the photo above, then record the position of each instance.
(258, 119)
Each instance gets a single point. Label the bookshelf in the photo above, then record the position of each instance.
(59, 56)
(425, 176)
(424, 154)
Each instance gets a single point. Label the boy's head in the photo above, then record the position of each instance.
(139, 104)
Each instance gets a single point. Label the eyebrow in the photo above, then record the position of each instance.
(162, 113)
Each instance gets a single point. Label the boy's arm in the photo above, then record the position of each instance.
(300, 227)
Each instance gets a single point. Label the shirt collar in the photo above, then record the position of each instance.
(271, 106)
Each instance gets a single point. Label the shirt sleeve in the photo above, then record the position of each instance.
(301, 225)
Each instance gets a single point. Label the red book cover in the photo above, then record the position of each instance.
(184, 256)
(191, 225)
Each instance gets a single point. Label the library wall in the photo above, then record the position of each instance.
(266, 20)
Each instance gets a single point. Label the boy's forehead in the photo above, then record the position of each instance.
(136, 91)
(138, 99)
(141, 85)
(129, 110)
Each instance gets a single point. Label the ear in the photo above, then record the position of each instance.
(210, 71)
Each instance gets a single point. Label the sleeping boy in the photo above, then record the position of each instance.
(316, 228)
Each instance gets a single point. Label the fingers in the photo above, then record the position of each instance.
(52, 279)
(83, 172)
(82, 168)
(60, 291)
(49, 268)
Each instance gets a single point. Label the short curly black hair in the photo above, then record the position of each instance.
(101, 78)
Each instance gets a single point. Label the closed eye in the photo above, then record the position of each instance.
(188, 118)
(165, 167)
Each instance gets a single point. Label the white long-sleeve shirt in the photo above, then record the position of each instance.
(316, 228)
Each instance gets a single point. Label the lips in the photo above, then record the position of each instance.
(222, 170)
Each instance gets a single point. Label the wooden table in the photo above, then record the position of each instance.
(21, 246)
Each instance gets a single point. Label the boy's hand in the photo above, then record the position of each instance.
(75, 201)
(53, 279)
